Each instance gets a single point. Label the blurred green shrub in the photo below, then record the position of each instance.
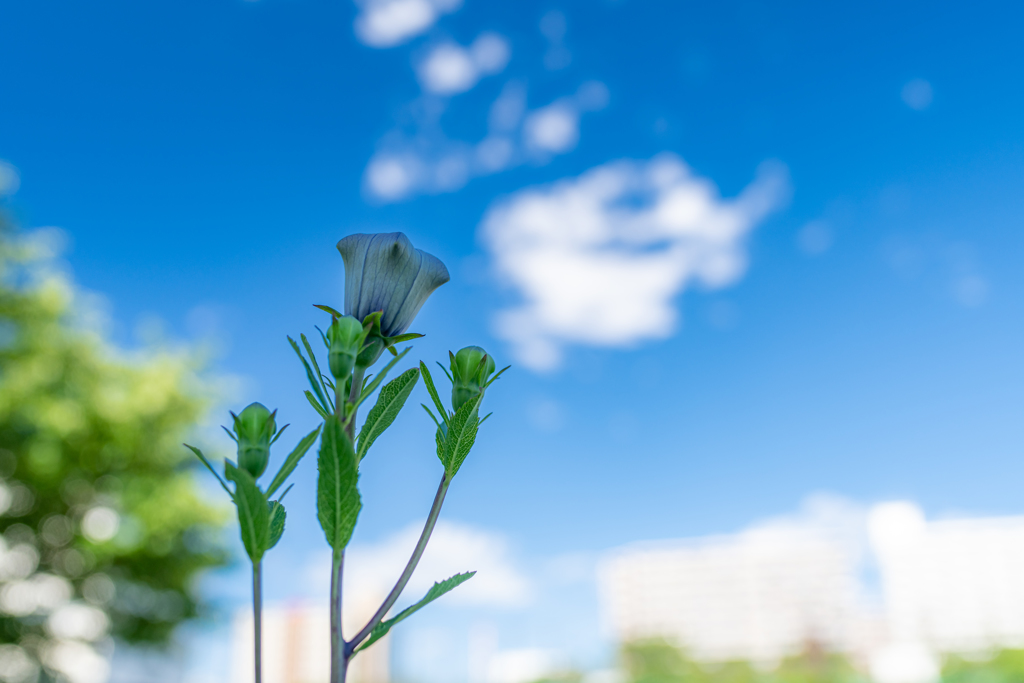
(1004, 666)
(102, 528)
(659, 661)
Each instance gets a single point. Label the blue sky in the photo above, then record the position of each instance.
(853, 325)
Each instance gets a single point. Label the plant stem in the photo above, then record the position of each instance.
(338, 660)
(421, 545)
(257, 618)
(353, 394)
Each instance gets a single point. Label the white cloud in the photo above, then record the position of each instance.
(386, 23)
(917, 94)
(552, 129)
(10, 180)
(450, 69)
(599, 259)
(453, 548)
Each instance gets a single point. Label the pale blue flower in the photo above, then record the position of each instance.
(384, 272)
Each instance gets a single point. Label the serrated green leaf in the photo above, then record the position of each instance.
(461, 435)
(436, 591)
(320, 410)
(389, 403)
(206, 462)
(292, 461)
(337, 495)
(309, 373)
(428, 381)
(253, 512)
(277, 518)
(440, 437)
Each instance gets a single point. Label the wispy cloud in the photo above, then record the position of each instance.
(429, 162)
(386, 23)
(599, 259)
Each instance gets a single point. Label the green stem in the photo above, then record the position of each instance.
(338, 660)
(257, 618)
(353, 395)
(421, 545)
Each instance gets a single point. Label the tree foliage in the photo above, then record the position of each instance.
(103, 531)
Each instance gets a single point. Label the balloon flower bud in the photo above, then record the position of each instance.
(346, 338)
(470, 369)
(254, 428)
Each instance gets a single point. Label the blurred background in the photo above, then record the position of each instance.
(756, 267)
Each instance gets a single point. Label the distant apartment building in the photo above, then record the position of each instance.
(894, 594)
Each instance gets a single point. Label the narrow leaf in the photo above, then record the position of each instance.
(369, 388)
(390, 401)
(253, 512)
(292, 461)
(337, 496)
(408, 336)
(461, 435)
(436, 591)
(445, 371)
(277, 517)
(431, 414)
(428, 381)
(208, 466)
(309, 372)
(320, 410)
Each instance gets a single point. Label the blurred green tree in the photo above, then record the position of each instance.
(102, 531)
(1004, 666)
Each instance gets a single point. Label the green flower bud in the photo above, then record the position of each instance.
(372, 350)
(346, 338)
(470, 369)
(254, 428)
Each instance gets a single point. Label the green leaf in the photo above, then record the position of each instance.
(408, 336)
(337, 496)
(461, 435)
(320, 410)
(429, 382)
(436, 591)
(277, 517)
(253, 512)
(309, 372)
(208, 466)
(390, 401)
(292, 461)
(369, 388)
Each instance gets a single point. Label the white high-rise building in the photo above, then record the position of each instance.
(953, 585)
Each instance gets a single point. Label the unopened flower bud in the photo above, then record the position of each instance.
(346, 338)
(254, 428)
(470, 369)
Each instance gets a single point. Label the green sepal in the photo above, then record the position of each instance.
(389, 403)
(320, 410)
(461, 435)
(277, 517)
(292, 461)
(428, 381)
(313, 381)
(330, 310)
(319, 374)
(337, 495)
(253, 512)
(436, 591)
(209, 467)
